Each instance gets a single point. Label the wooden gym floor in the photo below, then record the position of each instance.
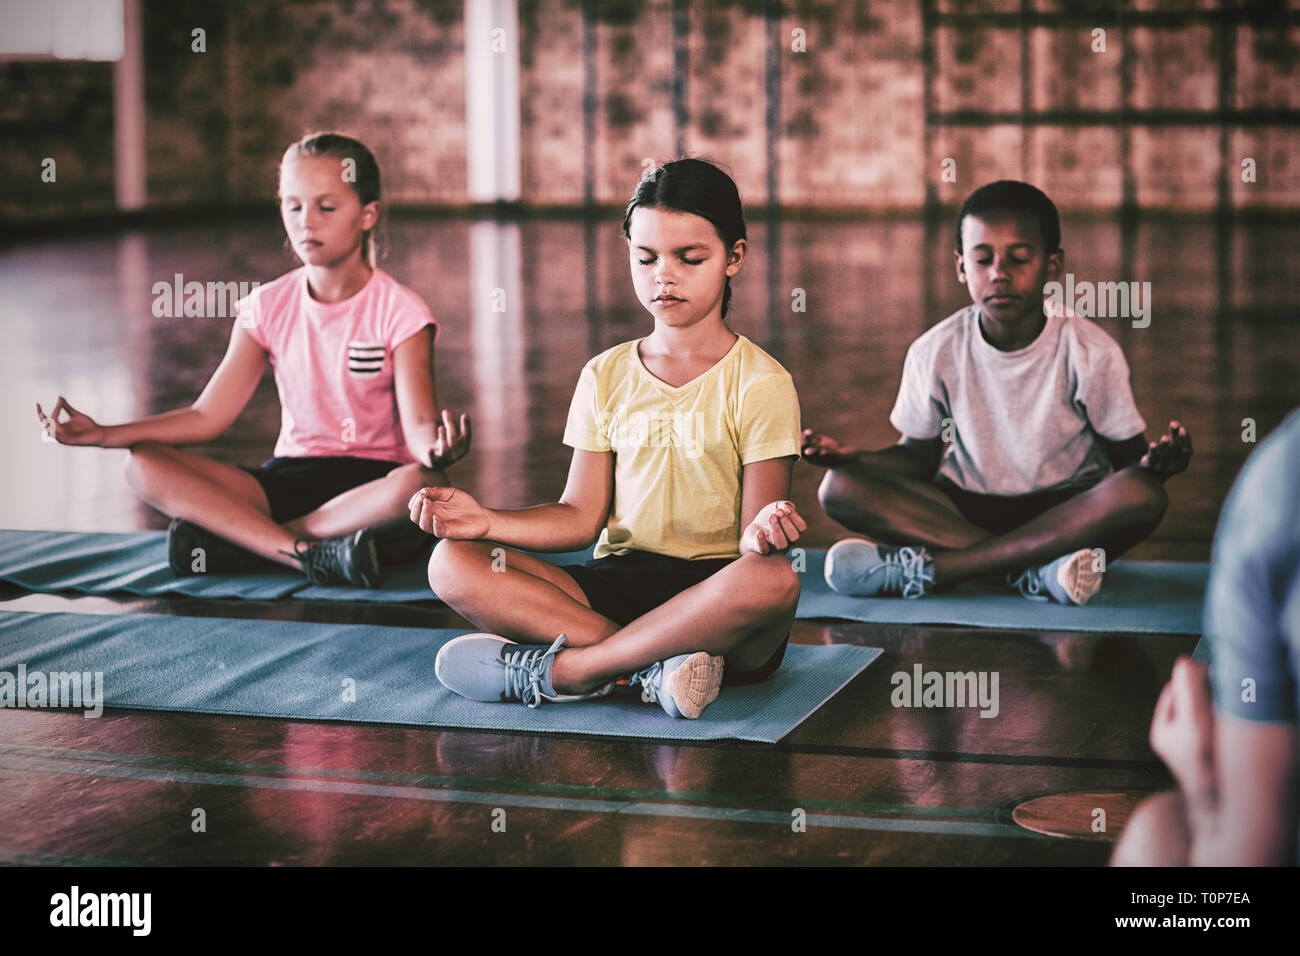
(878, 785)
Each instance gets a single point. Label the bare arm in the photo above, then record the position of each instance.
(224, 397)
(914, 457)
(1253, 821)
(574, 522)
(1124, 453)
(768, 520)
(1237, 777)
(1169, 456)
(434, 440)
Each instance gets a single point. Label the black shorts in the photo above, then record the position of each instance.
(296, 486)
(999, 514)
(622, 587)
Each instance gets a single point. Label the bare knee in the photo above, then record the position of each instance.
(453, 567)
(142, 461)
(1143, 499)
(772, 584)
(1156, 834)
(839, 496)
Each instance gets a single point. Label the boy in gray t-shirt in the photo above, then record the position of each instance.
(1022, 448)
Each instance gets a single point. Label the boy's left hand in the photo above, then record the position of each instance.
(774, 528)
(1171, 454)
(450, 445)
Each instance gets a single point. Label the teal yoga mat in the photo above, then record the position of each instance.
(1142, 597)
(293, 670)
(1136, 597)
(134, 563)
(409, 583)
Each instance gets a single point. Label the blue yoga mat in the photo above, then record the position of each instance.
(409, 583)
(1137, 597)
(282, 669)
(1151, 597)
(136, 563)
(1144, 597)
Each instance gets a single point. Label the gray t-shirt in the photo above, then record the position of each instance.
(1252, 602)
(1020, 421)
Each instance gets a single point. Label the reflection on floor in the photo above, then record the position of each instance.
(878, 784)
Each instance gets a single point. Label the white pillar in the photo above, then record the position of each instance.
(492, 99)
(128, 113)
(499, 338)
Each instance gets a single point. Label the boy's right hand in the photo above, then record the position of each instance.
(450, 513)
(76, 429)
(825, 451)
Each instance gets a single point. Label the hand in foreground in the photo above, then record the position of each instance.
(450, 513)
(451, 443)
(774, 528)
(825, 451)
(1182, 731)
(76, 429)
(1171, 454)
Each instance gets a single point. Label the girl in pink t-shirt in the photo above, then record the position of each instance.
(360, 430)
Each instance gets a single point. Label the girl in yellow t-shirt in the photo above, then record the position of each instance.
(683, 445)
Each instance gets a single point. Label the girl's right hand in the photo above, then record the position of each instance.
(76, 429)
(450, 513)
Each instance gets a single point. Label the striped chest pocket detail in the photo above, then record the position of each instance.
(365, 358)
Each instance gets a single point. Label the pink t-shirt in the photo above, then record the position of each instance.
(334, 363)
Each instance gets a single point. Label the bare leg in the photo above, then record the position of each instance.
(544, 601)
(1114, 514)
(211, 494)
(742, 612)
(371, 505)
(1156, 834)
(892, 508)
(230, 501)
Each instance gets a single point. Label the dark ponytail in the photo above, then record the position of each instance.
(699, 187)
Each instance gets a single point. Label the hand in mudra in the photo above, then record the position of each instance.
(774, 528)
(77, 429)
(825, 451)
(450, 513)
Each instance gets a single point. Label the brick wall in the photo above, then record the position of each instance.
(835, 102)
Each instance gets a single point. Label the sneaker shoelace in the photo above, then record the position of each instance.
(322, 561)
(905, 572)
(649, 681)
(525, 669)
(1030, 585)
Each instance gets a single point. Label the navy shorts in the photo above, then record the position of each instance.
(622, 587)
(999, 514)
(296, 486)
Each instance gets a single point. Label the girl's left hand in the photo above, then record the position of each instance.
(774, 528)
(451, 444)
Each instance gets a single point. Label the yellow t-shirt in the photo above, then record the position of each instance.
(678, 452)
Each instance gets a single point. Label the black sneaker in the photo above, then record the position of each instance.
(347, 559)
(219, 555)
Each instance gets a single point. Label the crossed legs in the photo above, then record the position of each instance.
(230, 502)
(893, 508)
(743, 612)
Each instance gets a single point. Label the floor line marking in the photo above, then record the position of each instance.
(636, 808)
